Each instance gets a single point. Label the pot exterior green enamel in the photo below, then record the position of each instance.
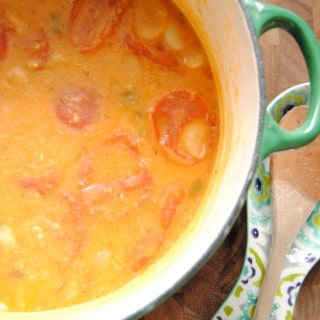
(264, 18)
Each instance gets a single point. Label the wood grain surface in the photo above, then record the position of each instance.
(200, 297)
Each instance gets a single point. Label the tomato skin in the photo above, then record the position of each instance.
(126, 140)
(92, 21)
(77, 107)
(175, 195)
(141, 180)
(175, 110)
(156, 54)
(41, 185)
(3, 42)
(74, 218)
(145, 249)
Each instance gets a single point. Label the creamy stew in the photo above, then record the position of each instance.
(109, 132)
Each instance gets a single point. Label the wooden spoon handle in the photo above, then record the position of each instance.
(294, 192)
(270, 282)
(290, 212)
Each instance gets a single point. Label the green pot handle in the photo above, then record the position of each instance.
(274, 138)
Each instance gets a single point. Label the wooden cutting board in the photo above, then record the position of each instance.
(200, 297)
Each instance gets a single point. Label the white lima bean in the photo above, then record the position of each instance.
(150, 19)
(194, 137)
(7, 239)
(172, 38)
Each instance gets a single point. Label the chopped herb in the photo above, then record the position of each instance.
(54, 16)
(139, 113)
(129, 97)
(196, 187)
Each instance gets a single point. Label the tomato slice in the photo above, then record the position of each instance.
(25, 33)
(37, 48)
(157, 54)
(92, 21)
(77, 107)
(3, 42)
(184, 126)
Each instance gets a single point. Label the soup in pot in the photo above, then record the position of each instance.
(109, 132)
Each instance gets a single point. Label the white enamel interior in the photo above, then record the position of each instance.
(223, 28)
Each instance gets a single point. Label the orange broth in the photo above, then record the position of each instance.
(109, 131)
